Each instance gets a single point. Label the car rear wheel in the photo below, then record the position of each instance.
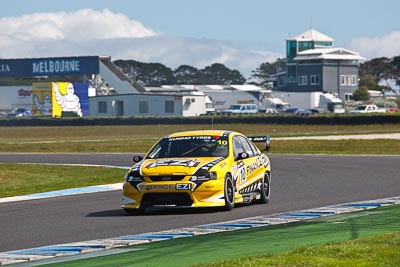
(265, 189)
(229, 193)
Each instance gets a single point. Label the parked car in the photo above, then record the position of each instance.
(240, 109)
(291, 110)
(302, 112)
(367, 109)
(296, 111)
(316, 111)
(20, 112)
(394, 110)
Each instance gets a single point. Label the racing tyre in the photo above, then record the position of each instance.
(265, 189)
(229, 193)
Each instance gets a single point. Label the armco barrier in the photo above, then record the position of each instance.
(207, 120)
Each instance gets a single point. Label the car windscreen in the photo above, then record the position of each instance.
(190, 146)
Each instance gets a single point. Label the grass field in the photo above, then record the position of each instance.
(21, 179)
(121, 139)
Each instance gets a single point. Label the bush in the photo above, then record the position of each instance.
(361, 94)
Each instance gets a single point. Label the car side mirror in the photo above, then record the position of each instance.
(242, 155)
(137, 158)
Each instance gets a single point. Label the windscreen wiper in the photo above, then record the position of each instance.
(193, 149)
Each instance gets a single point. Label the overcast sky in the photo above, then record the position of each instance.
(239, 34)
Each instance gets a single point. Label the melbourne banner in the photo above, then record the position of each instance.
(49, 66)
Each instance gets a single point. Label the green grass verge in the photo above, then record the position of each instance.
(380, 146)
(20, 179)
(380, 250)
(373, 147)
(342, 240)
(129, 139)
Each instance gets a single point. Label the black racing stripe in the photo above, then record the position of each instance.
(207, 166)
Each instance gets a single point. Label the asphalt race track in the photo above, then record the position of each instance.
(298, 182)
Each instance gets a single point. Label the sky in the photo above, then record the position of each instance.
(239, 34)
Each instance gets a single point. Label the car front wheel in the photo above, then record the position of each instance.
(229, 193)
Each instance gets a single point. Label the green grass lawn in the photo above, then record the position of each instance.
(129, 139)
(379, 250)
(68, 133)
(21, 179)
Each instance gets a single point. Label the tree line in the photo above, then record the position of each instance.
(156, 74)
(370, 72)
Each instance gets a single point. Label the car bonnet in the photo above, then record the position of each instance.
(177, 166)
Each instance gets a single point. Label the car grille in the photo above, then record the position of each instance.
(166, 200)
(167, 178)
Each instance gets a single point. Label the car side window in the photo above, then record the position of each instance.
(253, 147)
(237, 146)
(246, 146)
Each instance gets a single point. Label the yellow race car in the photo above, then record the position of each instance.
(212, 168)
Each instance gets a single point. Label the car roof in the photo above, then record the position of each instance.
(203, 132)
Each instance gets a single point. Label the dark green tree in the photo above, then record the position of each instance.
(370, 81)
(155, 74)
(381, 67)
(150, 74)
(218, 73)
(361, 94)
(262, 74)
(396, 62)
(186, 74)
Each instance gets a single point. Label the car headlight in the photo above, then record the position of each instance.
(202, 177)
(130, 177)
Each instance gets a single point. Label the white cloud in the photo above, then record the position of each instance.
(85, 24)
(91, 32)
(375, 47)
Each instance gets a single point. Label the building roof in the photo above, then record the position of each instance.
(313, 35)
(328, 53)
(247, 87)
(214, 87)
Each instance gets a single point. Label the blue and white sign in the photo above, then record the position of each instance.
(30, 67)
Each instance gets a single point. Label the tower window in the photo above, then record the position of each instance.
(303, 80)
(314, 80)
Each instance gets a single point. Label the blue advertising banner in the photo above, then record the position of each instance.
(49, 66)
(15, 68)
(81, 90)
